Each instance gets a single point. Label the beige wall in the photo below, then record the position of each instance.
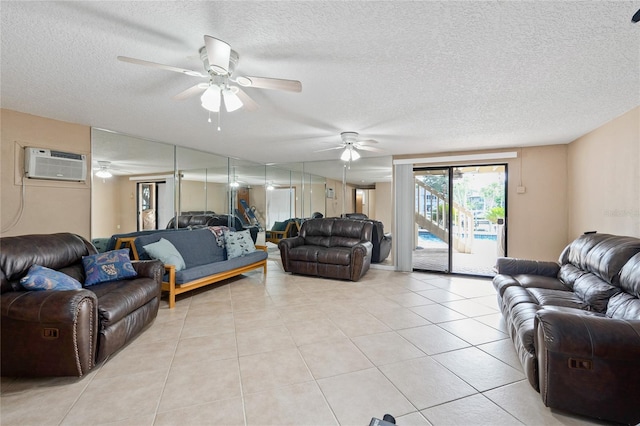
(384, 204)
(604, 179)
(334, 205)
(193, 195)
(49, 206)
(106, 205)
(537, 218)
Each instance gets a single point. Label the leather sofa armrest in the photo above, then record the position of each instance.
(285, 245)
(45, 306)
(149, 268)
(367, 246)
(360, 259)
(48, 333)
(513, 266)
(585, 360)
(289, 243)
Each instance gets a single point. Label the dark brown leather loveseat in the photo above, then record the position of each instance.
(575, 325)
(68, 332)
(331, 248)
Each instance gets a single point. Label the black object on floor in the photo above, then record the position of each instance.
(387, 420)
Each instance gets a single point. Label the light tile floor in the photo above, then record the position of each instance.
(294, 350)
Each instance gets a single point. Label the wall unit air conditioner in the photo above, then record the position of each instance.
(41, 163)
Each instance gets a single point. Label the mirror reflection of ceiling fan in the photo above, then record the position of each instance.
(220, 63)
(351, 143)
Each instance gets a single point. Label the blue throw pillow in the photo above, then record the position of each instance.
(42, 278)
(238, 243)
(108, 266)
(165, 252)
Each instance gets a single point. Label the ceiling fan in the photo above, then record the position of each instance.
(103, 170)
(220, 63)
(351, 143)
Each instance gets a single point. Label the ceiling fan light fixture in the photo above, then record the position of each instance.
(346, 155)
(231, 101)
(103, 173)
(211, 98)
(354, 155)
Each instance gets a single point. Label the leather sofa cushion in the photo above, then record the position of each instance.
(201, 271)
(335, 256)
(630, 276)
(594, 291)
(54, 251)
(624, 306)
(539, 281)
(515, 295)
(546, 297)
(117, 299)
(603, 254)
(306, 253)
(569, 274)
(522, 318)
(346, 233)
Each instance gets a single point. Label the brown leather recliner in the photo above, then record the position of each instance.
(575, 325)
(331, 248)
(68, 332)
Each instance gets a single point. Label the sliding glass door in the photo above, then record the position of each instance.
(460, 218)
(432, 220)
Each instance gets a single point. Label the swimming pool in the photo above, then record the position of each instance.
(429, 237)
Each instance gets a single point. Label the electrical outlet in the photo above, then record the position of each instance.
(521, 189)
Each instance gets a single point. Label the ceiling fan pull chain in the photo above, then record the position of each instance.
(218, 120)
(209, 117)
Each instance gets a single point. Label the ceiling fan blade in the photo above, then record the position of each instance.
(367, 141)
(247, 102)
(160, 66)
(218, 54)
(368, 148)
(191, 91)
(270, 83)
(330, 149)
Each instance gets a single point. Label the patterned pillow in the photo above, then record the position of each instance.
(166, 252)
(42, 278)
(108, 266)
(239, 243)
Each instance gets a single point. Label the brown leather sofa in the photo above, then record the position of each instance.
(68, 332)
(331, 248)
(575, 325)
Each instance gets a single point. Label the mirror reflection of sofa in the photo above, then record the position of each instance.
(381, 241)
(200, 219)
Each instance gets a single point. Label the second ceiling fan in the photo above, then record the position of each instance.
(220, 63)
(351, 143)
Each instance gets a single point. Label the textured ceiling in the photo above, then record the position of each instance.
(419, 77)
